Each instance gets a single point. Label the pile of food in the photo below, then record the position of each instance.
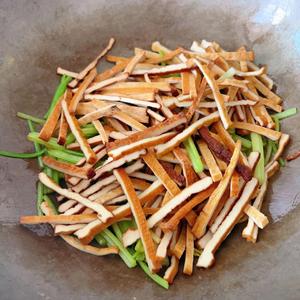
(158, 158)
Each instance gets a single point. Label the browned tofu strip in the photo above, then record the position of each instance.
(50, 125)
(75, 128)
(189, 252)
(78, 96)
(206, 214)
(207, 257)
(139, 217)
(66, 168)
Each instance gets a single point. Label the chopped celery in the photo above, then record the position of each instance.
(193, 154)
(48, 171)
(101, 240)
(73, 159)
(51, 204)
(112, 240)
(139, 246)
(30, 118)
(22, 155)
(40, 198)
(125, 225)
(257, 145)
(286, 113)
(117, 231)
(88, 133)
(245, 142)
(37, 147)
(55, 176)
(58, 93)
(281, 161)
(159, 280)
(277, 123)
(52, 143)
(268, 151)
(139, 256)
(161, 53)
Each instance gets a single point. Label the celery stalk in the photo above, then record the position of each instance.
(37, 147)
(193, 155)
(245, 142)
(257, 145)
(22, 155)
(30, 118)
(268, 151)
(159, 280)
(58, 93)
(73, 159)
(286, 114)
(112, 240)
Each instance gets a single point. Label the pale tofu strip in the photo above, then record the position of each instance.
(161, 251)
(78, 96)
(104, 83)
(249, 230)
(93, 64)
(104, 214)
(207, 212)
(217, 95)
(152, 162)
(269, 133)
(105, 181)
(207, 257)
(67, 229)
(174, 142)
(210, 162)
(74, 242)
(283, 141)
(128, 100)
(174, 202)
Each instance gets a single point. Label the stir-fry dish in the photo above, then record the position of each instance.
(157, 158)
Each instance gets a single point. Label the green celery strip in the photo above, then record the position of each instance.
(112, 240)
(30, 118)
(22, 155)
(37, 147)
(51, 144)
(51, 204)
(257, 145)
(139, 256)
(55, 176)
(48, 172)
(58, 93)
(125, 225)
(73, 159)
(193, 155)
(286, 114)
(281, 161)
(117, 231)
(139, 246)
(40, 198)
(268, 152)
(88, 133)
(101, 241)
(277, 123)
(159, 280)
(245, 142)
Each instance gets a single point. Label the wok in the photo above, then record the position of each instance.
(38, 36)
